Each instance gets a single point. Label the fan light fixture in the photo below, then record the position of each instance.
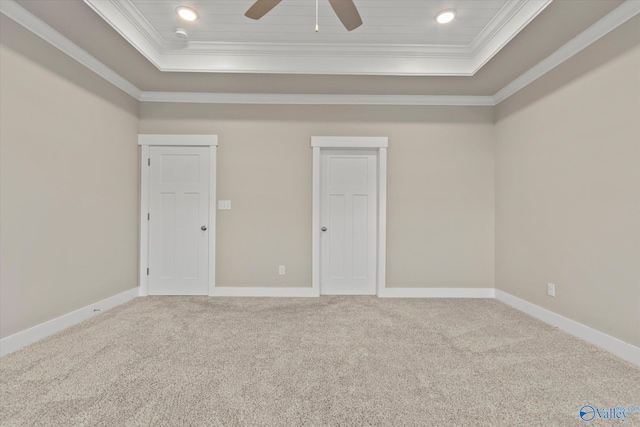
(445, 16)
(346, 11)
(187, 13)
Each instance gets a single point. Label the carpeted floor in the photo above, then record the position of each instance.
(347, 361)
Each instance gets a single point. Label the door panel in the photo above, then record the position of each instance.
(191, 234)
(166, 244)
(360, 235)
(179, 207)
(348, 211)
(336, 254)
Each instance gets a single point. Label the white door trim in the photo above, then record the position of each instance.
(318, 143)
(350, 141)
(147, 140)
(178, 140)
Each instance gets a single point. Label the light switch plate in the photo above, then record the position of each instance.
(224, 204)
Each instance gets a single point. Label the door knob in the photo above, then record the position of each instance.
(203, 228)
(324, 229)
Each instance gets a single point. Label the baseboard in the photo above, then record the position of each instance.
(258, 291)
(613, 345)
(29, 336)
(436, 293)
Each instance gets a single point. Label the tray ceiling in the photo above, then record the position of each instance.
(398, 37)
(558, 32)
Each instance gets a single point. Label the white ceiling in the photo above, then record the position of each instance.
(398, 37)
(292, 21)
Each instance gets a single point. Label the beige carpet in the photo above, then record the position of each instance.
(344, 361)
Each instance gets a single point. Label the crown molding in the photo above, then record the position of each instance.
(614, 19)
(146, 45)
(313, 99)
(182, 56)
(38, 27)
(603, 26)
(312, 58)
(142, 25)
(505, 26)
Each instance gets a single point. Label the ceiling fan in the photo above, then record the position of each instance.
(345, 9)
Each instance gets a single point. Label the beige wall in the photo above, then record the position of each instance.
(568, 189)
(440, 187)
(563, 157)
(68, 184)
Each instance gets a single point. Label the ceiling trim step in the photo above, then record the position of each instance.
(314, 99)
(13, 10)
(608, 23)
(599, 29)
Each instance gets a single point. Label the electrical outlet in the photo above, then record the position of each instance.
(281, 270)
(551, 289)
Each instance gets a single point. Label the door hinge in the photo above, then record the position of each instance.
(147, 271)
(149, 162)
(148, 217)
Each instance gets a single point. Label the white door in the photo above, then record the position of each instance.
(348, 186)
(179, 221)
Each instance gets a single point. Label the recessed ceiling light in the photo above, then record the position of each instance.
(445, 16)
(187, 13)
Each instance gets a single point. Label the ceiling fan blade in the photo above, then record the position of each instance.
(347, 13)
(261, 8)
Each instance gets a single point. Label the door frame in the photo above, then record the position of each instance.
(378, 144)
(146, 141)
